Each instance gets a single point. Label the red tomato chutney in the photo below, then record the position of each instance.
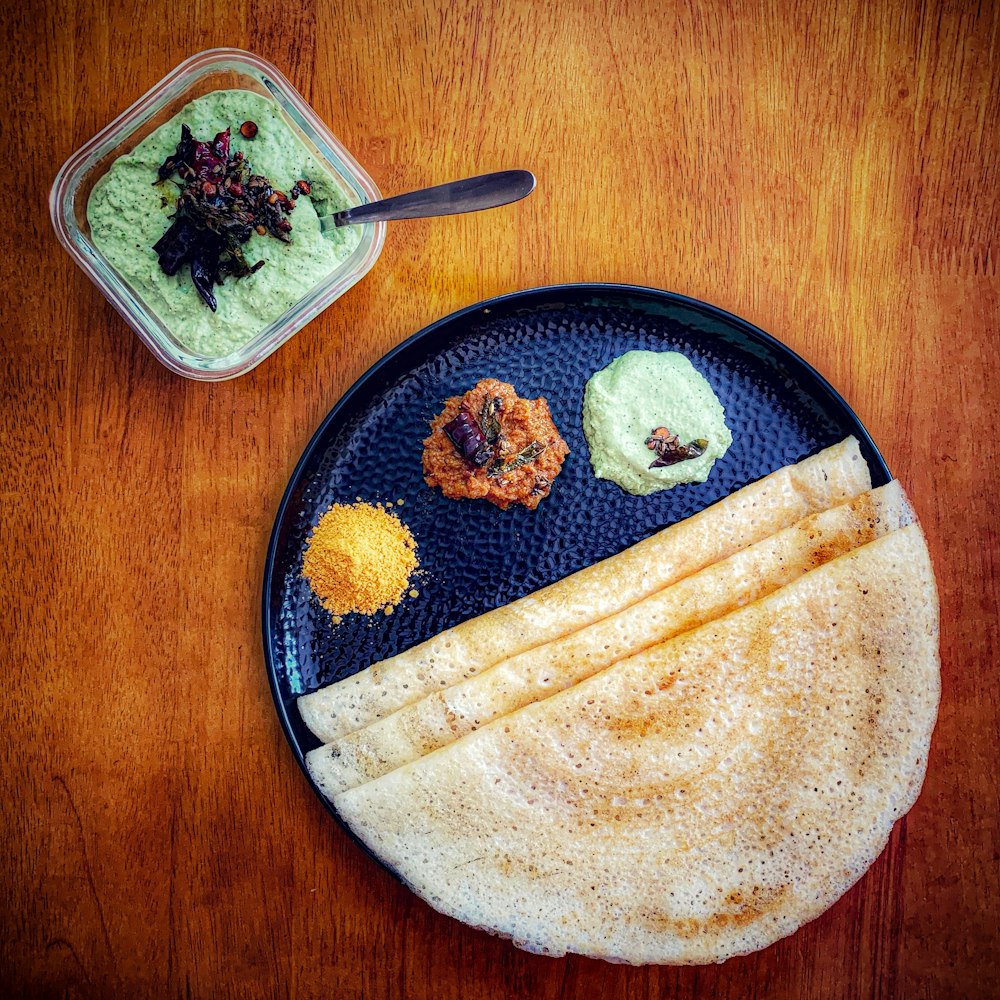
(493, 445)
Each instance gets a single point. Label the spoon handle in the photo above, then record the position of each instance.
(469, 195)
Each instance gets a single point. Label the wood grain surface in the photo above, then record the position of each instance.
(827, 170)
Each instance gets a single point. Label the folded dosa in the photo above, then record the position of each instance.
(444, 716)
(602, 589)
(699, 800)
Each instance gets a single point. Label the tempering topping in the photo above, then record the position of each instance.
(527, 454)
(468, 438)
(221, 203)
(670, 451)
(489, 418)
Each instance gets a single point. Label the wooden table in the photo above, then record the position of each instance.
(828, 171)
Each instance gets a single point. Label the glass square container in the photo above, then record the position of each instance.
(212, 70)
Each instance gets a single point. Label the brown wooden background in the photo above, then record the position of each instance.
(826, 170)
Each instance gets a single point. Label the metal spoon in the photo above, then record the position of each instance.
(469, 195)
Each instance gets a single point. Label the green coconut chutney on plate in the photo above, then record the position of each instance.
(638, 393)
(128, 211)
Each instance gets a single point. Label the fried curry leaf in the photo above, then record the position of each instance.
(489, 418)
(527, 454)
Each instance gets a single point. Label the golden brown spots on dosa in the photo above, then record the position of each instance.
(735, 911)
(698, 822)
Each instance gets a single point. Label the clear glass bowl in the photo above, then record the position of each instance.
(214, 69)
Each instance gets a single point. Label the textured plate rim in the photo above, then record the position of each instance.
(754, 333)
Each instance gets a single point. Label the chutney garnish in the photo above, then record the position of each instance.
(468, 438)
(670, 451)
(489, 418)
(221, 203)
(527, 454)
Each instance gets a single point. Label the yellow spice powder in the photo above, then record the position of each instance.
(359, 558)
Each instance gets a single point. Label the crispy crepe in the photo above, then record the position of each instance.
(444, 716)
(593, 593)
(698, 800)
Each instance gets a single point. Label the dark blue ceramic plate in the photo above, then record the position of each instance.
(473, 557)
